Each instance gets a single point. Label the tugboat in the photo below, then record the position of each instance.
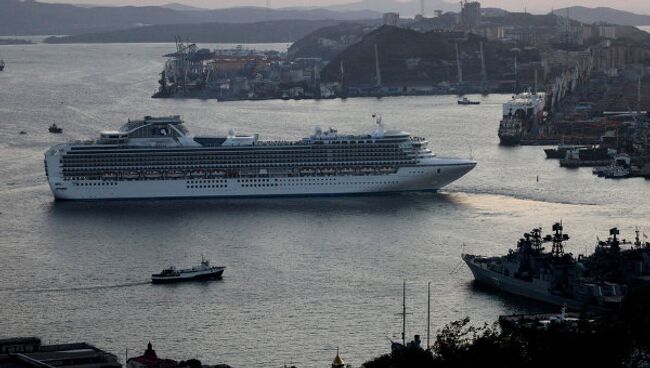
(591, 156)
(619, 168)
(55, 129)
(561, 150)
(201, 272)
(467, 101)
(555, 278)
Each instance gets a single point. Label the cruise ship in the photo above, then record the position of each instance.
(519, 114)
(157, 157)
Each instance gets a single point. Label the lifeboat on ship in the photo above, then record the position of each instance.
(175, 174)
(328, 171)
(130, 175)
(367, 170)
(387, 170)
(197, 174)
(347, 171)
(152, 174)
(307, 171)
(109, 176)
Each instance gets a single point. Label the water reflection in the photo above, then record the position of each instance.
(380, 204)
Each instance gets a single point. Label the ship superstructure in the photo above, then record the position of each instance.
(159, 158)
(203, 271)
(553, 277)
(521, 112)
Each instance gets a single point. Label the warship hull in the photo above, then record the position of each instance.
(531, 290)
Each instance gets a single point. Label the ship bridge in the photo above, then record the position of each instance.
(150, 127)
(159, 130)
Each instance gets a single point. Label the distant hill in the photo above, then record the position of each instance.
(493, 12)
(182, 7)
(33, 18)
(252, 14)
(261, 32)
(328, 42)
(29, 17)
(607, 15)
(407, 8)
(410, 56)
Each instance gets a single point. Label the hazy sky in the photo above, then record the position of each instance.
(538, 6)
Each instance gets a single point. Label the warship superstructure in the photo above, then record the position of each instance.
(556, 277)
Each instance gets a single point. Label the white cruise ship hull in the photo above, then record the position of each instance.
(430, 177)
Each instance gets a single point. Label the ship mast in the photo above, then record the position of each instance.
(460, 68)
(377, 69)
(516, 76)
(637, 239)
(429, 314)
(638, 97)
(615, 243)
(558, 237)
(483, 70)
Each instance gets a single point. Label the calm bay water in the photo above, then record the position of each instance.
(305, 275)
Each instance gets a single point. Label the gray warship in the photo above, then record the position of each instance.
(595, 282)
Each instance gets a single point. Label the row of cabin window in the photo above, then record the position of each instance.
(160, 167)
(237, 159)
(251, 164)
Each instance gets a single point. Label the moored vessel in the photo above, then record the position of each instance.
(159, 158)
(553, 277)
(561, 150)
(203, 271)
(520, 113)
(467, 101)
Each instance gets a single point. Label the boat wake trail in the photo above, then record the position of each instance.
(523, 197)
(77, 288)
(85, 114)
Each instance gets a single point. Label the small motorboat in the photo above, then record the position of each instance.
(2, 65)
(201, 272)
(55, 129)
(467, 101)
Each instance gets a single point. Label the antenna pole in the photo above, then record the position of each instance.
(516, 76)
(268, 9)
(483, 70)
(404, 313)
(460, 68)
(377, 69)
(639, 96)
(429, 316)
